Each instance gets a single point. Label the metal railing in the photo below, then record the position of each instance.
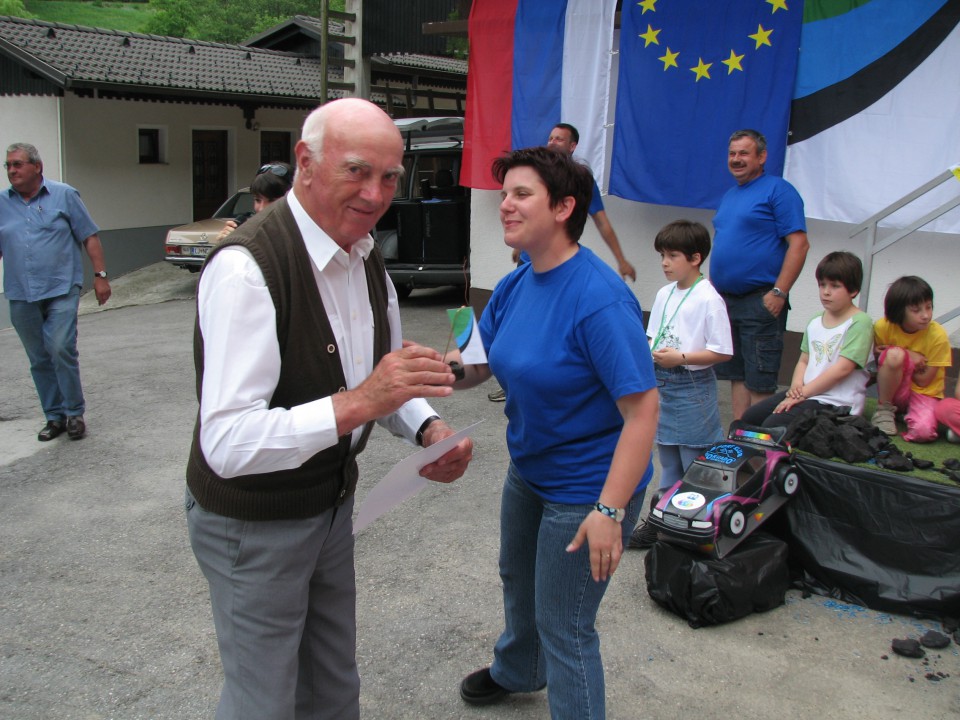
(870, 225)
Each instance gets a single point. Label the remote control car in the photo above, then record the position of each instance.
(728, 491)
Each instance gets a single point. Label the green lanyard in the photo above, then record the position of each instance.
(664, 326)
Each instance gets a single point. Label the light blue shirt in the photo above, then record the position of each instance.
(40, 241)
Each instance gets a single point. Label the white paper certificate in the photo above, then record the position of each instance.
(404, 480)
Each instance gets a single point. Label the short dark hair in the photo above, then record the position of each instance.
(563, 176)
(684, 236)
(843, 267)
(273, 181)
(574, 133)
(902, 293)
(754, 135)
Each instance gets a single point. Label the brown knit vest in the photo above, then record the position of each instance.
(310, 369)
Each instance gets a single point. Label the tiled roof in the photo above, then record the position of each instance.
(426, 62)
(311, 26)
(74, 56)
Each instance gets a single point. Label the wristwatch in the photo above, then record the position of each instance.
(612, 513)
(101, 274)
(779, 293)
(423, 428)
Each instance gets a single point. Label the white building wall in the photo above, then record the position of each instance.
(100, 156)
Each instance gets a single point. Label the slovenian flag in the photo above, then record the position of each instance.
(875, 108)
(533, 64)
(691, 73)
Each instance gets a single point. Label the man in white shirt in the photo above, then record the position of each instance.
(298, 350)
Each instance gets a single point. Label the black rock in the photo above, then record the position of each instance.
(934, 640)
(896, 462)
(921, 464)
(907, 647)
(951, 464)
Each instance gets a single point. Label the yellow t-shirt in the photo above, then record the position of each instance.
(933, 343)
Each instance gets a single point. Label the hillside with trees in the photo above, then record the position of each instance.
(227, 21)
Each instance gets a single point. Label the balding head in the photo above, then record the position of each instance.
(349, 161)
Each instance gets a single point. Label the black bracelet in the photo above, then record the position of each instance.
(423, 428)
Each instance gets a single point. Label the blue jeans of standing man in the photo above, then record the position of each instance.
(48, 331)
(550, 603)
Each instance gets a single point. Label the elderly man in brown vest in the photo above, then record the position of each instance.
(298, 351)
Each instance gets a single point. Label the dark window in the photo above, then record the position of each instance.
(149, 145)
(274, 146)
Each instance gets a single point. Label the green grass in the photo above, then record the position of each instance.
(131, 17)
(936, 452)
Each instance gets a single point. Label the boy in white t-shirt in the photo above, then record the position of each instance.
(836, 347)
(689, 332)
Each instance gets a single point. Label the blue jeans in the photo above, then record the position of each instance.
(48, 331)
(550, 602)
(674, 461)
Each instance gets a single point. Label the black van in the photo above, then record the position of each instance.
(425, 235)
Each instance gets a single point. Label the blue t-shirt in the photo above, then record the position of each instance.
(565, 345)
(40, 240)
(596, 202)
(750, 224)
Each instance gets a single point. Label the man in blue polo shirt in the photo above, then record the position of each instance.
(43, 224)
(759, 247)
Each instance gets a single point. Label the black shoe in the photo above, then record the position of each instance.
(51, 430)
(479, 688)
(76, 427)
(643, 537)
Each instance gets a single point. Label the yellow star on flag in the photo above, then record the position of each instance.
(650, 36)
(733, 62)
(669, 60)
(649, 5)
(778, 5)
(762, 37)
(702, 70)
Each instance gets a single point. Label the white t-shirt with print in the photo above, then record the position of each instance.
(690, 320)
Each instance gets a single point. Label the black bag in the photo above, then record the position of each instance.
(707, 591)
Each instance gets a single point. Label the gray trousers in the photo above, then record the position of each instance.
(284, 606)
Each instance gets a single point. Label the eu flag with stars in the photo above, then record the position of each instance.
(691, 73)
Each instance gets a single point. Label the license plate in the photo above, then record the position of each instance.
(197, 250)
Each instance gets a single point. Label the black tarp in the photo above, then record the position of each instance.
(886, 541)
(705, 590)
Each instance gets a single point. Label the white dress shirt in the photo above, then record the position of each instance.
(239, 433)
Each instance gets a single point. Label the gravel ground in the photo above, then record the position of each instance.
(104, 613)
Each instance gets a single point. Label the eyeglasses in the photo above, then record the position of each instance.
(17, 164)
(278, 170)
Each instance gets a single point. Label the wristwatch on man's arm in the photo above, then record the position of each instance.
(101, 274)
(423, 428)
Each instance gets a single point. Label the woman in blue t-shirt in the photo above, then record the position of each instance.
(564, 336)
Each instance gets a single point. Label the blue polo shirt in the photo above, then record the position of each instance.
(40, 240)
